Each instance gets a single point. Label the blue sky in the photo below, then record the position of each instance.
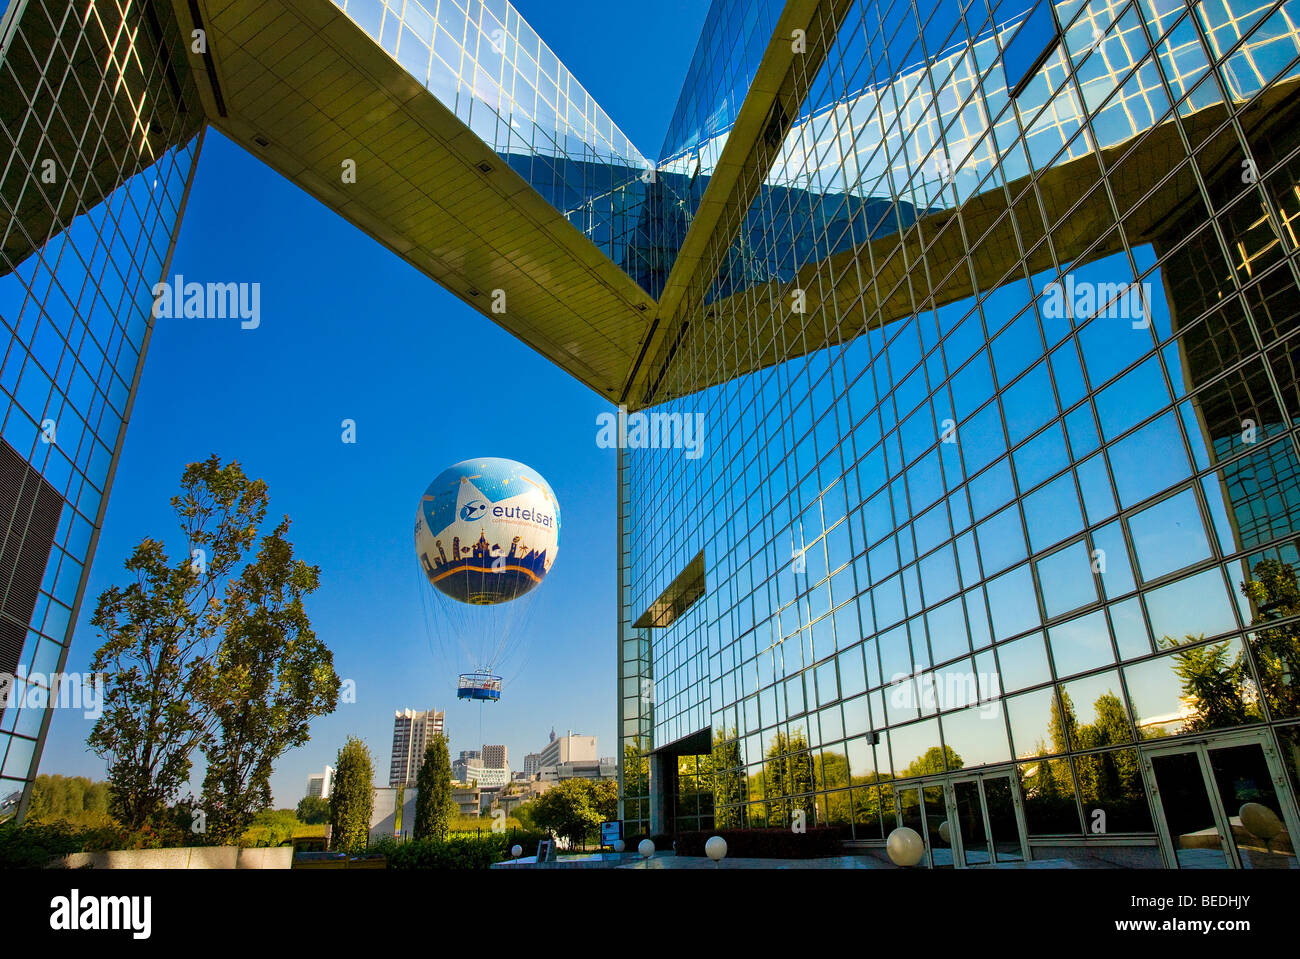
(349, 331)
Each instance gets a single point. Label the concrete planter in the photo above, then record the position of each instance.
(274, 857)
(189, 857)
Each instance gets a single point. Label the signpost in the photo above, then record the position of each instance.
(611, 832)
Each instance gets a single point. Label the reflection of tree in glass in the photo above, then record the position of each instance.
(694, 791)
(636, 782)
(729, 788)
(832, 773)
(1110, 781)
(1274, 595)
(788, 777)
(932, 762)
(1217, 691)
(1218, 688)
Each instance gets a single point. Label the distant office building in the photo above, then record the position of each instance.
(320, 784)
(470, 754)
(474, 771)
(566, 749)
(467, 767)
(468, 798)
(412, 731)
(491, 777)
(582, 769)
(494, 757)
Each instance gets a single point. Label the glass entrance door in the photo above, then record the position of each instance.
(912, 814)
(936, 817)
(972, 820)
(988, 821)
(1222, 803)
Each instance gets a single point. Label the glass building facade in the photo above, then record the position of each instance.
(989, 333)
(100, 133)
(483, 61)
(994, 535)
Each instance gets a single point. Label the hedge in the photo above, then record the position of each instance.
(459, 852)
(33, 845)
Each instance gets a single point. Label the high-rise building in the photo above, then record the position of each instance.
(101, 134)
(320, 784)
(532, 763)
(987, 339)
(494, 757)
(412, 731)
(468, 767)
(953, 344)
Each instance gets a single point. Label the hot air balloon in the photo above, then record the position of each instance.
(486, 534)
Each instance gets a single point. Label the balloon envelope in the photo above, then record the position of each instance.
(487, 531)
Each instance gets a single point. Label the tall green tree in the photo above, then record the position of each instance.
(160, 639)
(434, 806)
(209, 652)
(273, 676)
(351, 797)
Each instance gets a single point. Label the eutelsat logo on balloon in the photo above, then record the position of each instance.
(487, 531)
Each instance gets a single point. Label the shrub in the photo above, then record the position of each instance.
(818, 841)
(459, 852)
(33, 845)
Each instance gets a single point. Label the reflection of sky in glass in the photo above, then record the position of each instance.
(925, 136)
(917, 132)
(486, 64)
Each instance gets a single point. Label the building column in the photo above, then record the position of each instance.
(663, 770)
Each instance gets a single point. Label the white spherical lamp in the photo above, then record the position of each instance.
(905, 847)
(716, 848)
(516, 850)
(619, 845)
(646, 848)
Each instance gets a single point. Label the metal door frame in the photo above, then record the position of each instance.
(958, 841)
(1017, 805)
(917, 785)
(1201, 746)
